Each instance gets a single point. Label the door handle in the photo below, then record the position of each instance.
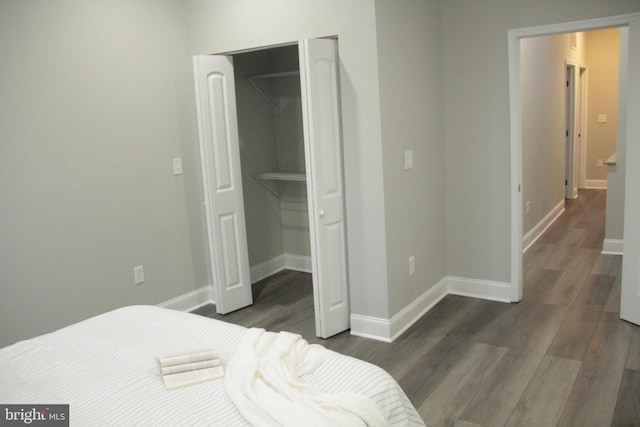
(321, 213)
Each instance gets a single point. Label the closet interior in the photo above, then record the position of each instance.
(272, 160)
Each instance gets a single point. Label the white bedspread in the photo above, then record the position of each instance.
(105, 369)
(265, 380)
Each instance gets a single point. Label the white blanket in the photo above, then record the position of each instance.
(264, 381)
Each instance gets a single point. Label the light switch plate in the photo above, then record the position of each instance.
(177, 166)
(408, 159)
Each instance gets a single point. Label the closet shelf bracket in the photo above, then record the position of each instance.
(264, 178)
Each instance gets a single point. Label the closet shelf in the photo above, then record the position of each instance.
(278, 176)
(255, 78)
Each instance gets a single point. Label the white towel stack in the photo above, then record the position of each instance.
(185, 369)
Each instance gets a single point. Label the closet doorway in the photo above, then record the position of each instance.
(271, 150)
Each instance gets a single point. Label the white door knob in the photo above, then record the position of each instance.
(321, 213)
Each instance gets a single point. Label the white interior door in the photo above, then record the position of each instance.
(630, 300)
(222, 181)
(580, 151)
(570, 182)
(323, 148)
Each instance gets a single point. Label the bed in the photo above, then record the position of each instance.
(105, 369)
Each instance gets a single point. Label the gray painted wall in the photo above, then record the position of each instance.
(92, 111)
(543, 112)
(409, 57)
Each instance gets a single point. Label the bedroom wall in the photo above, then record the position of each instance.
(409, 57)
(543, 114)
(476, 122)
(92, 99)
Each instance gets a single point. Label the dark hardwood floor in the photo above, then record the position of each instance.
(561, 356)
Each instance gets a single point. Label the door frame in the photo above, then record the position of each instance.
(570, 124)
(581, 151)
(320, 322)
(575, 114)
(513, 38)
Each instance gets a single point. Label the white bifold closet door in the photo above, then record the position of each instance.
(223, 190)
(222, 182)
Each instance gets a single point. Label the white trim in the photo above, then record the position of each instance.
(409, 315)
(513, 46)
(374, 328)
(483, 289)
(284, 261)
(381, 329)
(377, 328)
(596, 184)
(298, 263)
(191, 300)
(613, 246)
(513, 43)
(537, 231)
(267, 268)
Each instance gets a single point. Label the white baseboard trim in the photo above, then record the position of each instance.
(192, 300)
(409, 315)
(385, 330)
(267, 268)
(612, 246)
(206, 295)
(298, 263)
(374, 328)
(482, 289)
(537, 231)
(279, 263)
(596, 184)
(377, 328)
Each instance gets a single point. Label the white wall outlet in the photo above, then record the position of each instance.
(602, 118)
(600, 163)
(177, 166)
(408, 159)
(138, 274)
(412, 265)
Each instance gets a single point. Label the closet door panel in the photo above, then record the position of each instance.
(219, 125)
(323, 148)
(222, 182)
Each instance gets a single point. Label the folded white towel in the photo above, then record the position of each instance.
(263, 379)
(185, 369)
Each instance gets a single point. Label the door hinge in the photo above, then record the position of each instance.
(566, 182)
(566, 133)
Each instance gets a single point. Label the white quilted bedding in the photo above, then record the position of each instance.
(105, 369)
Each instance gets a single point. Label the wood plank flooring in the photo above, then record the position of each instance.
(562, 356)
